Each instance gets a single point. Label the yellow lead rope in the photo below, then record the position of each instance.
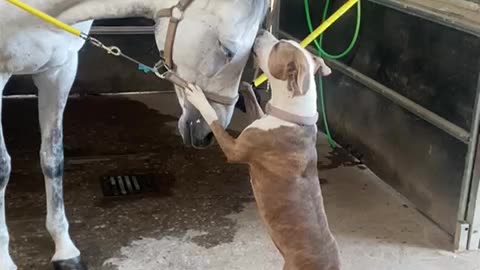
(113, 50)
(48, 18)
(316, 33)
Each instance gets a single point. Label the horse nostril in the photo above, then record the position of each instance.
(209, 137)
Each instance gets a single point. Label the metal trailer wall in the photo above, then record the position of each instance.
(404, 101)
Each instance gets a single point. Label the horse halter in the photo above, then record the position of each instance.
(165, 68)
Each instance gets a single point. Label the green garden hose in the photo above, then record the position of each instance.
(324, 54)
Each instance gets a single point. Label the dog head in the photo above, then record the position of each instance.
(287, 63)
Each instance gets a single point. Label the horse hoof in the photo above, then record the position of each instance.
(70, 264)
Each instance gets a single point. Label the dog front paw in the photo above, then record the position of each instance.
(197, 98)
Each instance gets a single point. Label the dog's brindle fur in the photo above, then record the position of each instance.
(284, 176)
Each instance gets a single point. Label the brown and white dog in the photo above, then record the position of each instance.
(280, 149)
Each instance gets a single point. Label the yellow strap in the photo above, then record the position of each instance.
(47, 18)
(316, 33)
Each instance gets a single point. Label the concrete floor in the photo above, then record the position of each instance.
(205, 218)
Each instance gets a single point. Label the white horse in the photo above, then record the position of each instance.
(211, 48)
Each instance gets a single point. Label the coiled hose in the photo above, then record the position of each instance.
(322, 53)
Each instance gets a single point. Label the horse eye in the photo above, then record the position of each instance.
(229, 53)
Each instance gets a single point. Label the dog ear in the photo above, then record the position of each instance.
(288, 63)
(320, 66)
(298, 82)
(277, 63)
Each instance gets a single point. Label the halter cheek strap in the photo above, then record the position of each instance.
(176, 15)
(166, 67)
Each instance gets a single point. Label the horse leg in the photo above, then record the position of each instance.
(6, 262)
(53, 89)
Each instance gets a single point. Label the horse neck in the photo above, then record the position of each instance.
(73, 11)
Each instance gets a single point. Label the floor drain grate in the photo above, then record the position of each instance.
(127, 185)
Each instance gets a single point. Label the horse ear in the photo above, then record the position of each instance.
(320, 66)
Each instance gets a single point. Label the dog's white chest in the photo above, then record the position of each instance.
(269, 122)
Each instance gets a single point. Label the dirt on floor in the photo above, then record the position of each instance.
(204, 215)
(117, 136)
